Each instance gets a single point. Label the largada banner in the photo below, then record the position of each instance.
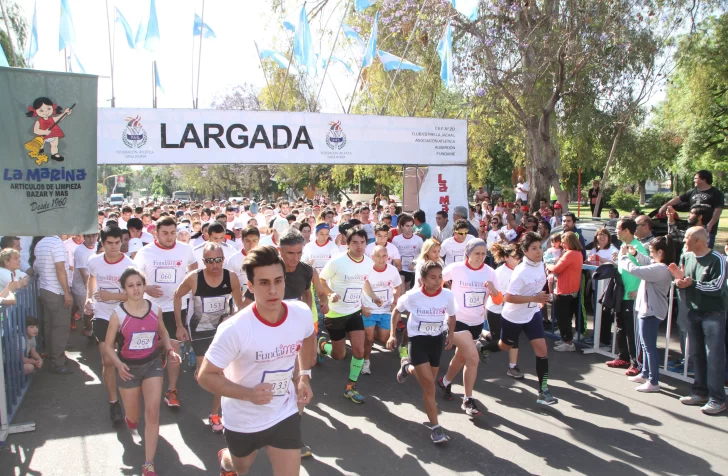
(441, 188)
(211, 136)
(47, 152)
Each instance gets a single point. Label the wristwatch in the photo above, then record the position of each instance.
(306, 373)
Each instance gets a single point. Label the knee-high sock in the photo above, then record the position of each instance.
(328, 348)
(542, 369)
(355, 368)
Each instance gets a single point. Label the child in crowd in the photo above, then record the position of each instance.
(552, 256)
(31, 359)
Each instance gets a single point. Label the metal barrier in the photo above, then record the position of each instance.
(12, 344)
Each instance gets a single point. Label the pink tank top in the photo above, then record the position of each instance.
(139, 335)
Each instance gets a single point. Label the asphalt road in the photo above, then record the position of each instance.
(601, 426)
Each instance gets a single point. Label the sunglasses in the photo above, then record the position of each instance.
(213, 260)
(494, 222)
(461, 232)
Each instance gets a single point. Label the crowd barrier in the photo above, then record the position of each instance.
(12, 342)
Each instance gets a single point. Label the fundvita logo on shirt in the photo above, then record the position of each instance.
(282, 351)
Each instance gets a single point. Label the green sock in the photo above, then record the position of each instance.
(355, 368)
(328, 348)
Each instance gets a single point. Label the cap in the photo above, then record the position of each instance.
(135, 244)
(557, 205)
(524, 208)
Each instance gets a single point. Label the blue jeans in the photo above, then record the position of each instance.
(651, 359)
(706, 338)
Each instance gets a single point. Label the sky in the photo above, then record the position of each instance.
(228, 60)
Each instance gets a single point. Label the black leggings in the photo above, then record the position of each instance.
(494, 325)
(565, 308)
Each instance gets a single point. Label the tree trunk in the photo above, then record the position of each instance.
(605, 176)
(541, 171)
(641, 184)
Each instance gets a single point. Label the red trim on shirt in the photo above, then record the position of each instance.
(431, 295)
(325, 243)
(263, 321)
(378, 271)
(467, 263)
(507, 266)
(115, 262)
(355, 261)
(164, 247)
(243, 252)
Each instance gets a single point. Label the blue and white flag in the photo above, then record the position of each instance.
(140, 34)
(157, 82)
(66, 31)
(469, 8)
(364, 4)
(291, 22)
(335, 59)
(444, 50)
(303, 45)
(127, 29)
(202, 29)
(33, 45)
(280, 60)
(74, 65)
(151, 38)
(3, 58)
(350, 33)
(371, 49)
(390, 62)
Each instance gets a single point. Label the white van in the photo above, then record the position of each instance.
(116, 199)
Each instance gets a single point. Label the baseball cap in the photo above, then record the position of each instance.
(524, 208)
(135, 244)
(557, 205)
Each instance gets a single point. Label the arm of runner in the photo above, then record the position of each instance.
(329, 293)
(212, 379)
(305, 356)
(540, 298)
(392, 341)
(109, 346)
(90, 286)
(189, 285)
(307, 298)
(172, 356)
(397, 263)
(368, 292)
(450, 332)
(237, 292)
(320, 292)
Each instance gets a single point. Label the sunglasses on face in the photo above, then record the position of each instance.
(461, 232)
(213, 260)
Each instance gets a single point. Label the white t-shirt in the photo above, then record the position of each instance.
(49, 251)
(503, 273)
(146, 238)
(510, 233)
(6, 276)
(452, 252)
(468, 286)
(253, 351)
(122, 223)
(281, 225)
(345, 277)
(409, 249)
(71, 249)
(392, 251)
(369, 228)
(493, 237)
(227, 251)
(320, 254)
(80, 259)
(234, 264)
(166, 268)
(107, 279)
(267, 240)
(383, 284)
(428, 314)
(528, 279)
(522, 195)
(604, 254)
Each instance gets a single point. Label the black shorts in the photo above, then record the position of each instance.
(426, 349)
(99, 327)
(284, 435)
(475, 331)
(171, 324)
(200, 340)
(533, 329)
(338, 327)
(409, 278)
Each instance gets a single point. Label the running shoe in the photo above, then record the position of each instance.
(470, 407)
(483, 353)
(320, 346)
(438, 436)
(366, 369)
(224, 472)
(73, 325)
(637, 378)
(170, 398)
(115, 412)
(558, 343)
(306, 451)
(446, 390)
(565, 347)
(618, 364)
(216, 423)
(647, 387)
(515, 372)
(693, 400)
(353, 395)
(403, 352)
(545, 398)
(192, 362)
(632, 371)
(403, 374)
(77, 316)
(713, 408)
(148, 470)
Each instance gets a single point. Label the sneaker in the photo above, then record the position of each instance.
(73, 325)
(353, 395)
(192, 362)
(545, 398)
(438, 436)
(558, 343)
(224, 472)
(403, 353)
(306, 451)
(693, 400)
(470, 407)
(637, 379)
(115, 412)
(170, 398)
(565, 347)
(618, 364)
(366, 369)
(515, 372)
(632, 371)
(446, 390)
(482, 352)
(216, 423)
(61, 370)
(148, 470)
(403, 374)
(320, 346)
(713, 408)
(647, 387)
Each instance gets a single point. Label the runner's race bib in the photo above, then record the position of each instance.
(279, 379)
(213, 304)
(111, 290)
(430, 328)
(142, 340)
(383, 295)
(474, 299)
(165, 275)
(407, 261)
(352, 296)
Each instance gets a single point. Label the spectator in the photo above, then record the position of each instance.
(613, 214)
(509, 232)
(31, 359)
(479, 195)
(51, 264)
(522, 189)
(593, 194)
(567, 270)
(461, 213)
(10, 269)
(644, 229)
(544, 229)
(393, 214)
(569, 224)
(635, 213)
(603, 251)
(499, 206)
(556, 219)
(703, 194)
(422, 228)
(702, 274)
(545, 210)
(443, 230)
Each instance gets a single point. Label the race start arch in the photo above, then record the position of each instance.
(212, 136)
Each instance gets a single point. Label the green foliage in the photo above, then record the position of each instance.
(15, 20)
(659, 199)
(623, 200)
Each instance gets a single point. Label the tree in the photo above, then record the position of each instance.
(15, 25)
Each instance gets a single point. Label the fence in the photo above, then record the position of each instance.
(12, 345)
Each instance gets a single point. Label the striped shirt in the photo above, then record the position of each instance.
(49, 251)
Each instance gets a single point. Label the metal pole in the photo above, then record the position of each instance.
(336, 39)
(270, 93)
(337, 95)
(199, 58)
(111, 54)
(288, 70)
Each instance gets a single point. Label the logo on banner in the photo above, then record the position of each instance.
(134, 136)
(335, 138)
(46, 130)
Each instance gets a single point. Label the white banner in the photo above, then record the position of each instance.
(442, 188)
(211, 136)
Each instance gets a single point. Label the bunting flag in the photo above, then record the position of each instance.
(469, 8)
(444, 50)
(74, 65)
(280, 60)
(291, 22)
(3, 58)
(66, 31)
(350, 33)
(202, 29)
(140, 35)
(151, 38)
(337, 60)
(371, 50)
(364, 4)
(390, 62)
(127, 29)
(33, 45)
(157, 82)
(303, 45)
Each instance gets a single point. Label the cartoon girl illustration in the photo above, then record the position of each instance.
(46, 127)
